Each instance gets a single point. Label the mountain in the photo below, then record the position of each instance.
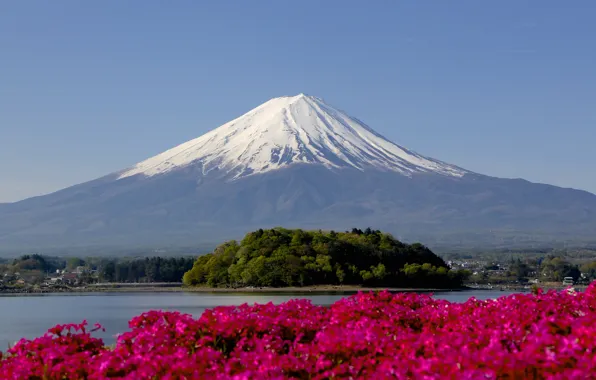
(291, 130)
(297, 162)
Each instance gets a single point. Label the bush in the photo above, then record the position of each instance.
(370, 335)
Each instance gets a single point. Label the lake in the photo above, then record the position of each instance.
(32, 315)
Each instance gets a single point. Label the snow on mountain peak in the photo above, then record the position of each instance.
(289, 130)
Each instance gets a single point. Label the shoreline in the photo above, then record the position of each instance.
(319, 289)
(182, 289)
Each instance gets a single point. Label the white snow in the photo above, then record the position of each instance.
(290, 130)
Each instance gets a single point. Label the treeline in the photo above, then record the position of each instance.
(34, 268)
(37, 262)
(30, 268)
(280, 257)
(151, 269)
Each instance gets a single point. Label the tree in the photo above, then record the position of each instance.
(74, 262)
(282, 257)
(589, 270)
(519, 270)
(366, 275)
(255, 271)
(108, 272)
(379, 272)
(557, 268)
(341, 275)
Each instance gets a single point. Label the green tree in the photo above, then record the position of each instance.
(589, 270)
(108, 272)
(282, 257)
(341, 275)
(379, 272)
(74, 262)
(366, 275)
(557, 268)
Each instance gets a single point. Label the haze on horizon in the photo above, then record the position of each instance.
(501, 89)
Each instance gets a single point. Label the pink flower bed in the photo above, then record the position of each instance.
(371, 335)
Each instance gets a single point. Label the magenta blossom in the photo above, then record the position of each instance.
(549, 335)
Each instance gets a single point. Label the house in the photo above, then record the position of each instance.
(70, 278)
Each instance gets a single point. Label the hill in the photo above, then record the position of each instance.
(281, 257)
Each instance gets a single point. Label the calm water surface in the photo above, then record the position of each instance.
(31, 316)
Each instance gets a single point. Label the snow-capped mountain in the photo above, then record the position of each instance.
(290, 130)
(296, 162)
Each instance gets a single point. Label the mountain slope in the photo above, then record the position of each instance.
(290, 130)
(297, 162)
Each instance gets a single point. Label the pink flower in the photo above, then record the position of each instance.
(370, 335)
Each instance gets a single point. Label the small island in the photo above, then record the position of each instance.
(279, 257)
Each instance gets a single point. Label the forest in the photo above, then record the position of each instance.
(35, 268)
(149, 269)
(282, 257)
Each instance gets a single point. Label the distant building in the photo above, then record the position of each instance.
(70, 278)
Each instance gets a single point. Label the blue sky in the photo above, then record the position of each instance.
(503, 88)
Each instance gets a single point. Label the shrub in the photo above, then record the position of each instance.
(370, 335)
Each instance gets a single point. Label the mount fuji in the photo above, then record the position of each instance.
(291, 130)
(298, 162)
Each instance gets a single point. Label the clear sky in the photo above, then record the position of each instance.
(504, 88)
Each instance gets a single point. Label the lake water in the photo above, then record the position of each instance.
(31, 316)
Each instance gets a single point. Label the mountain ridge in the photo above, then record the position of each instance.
(277, 165)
